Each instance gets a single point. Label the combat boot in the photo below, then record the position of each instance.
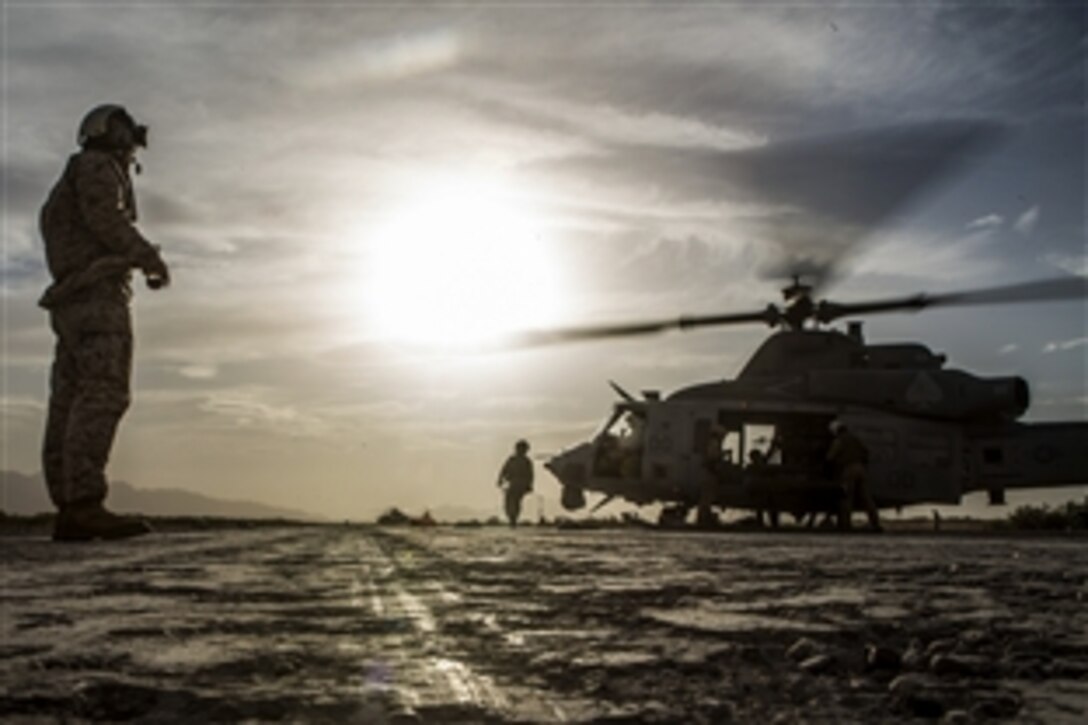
(94, 521)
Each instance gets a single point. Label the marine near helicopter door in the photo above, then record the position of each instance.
(910, 461)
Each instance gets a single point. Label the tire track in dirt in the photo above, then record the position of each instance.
(423, 589)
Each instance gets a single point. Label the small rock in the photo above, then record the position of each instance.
(1020, 656)
(925, 704)
(907, 684)
(961, 665)
(940, 646)
(655, 711)
(1027, 647)
(753, 655)
(1071, 669)
(720, 710)
(974, 638)
(818, 664)
(405, 716)
(882, 658)
(802, 649)
(796, 685)
(917, 695)
(956, 717)
(915, 657)
(109, 700)
(1027, 672)
(998, 706)
(1026, 664)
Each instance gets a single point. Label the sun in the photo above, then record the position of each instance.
(461, 264)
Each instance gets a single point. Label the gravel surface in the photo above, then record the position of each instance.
(361, 624)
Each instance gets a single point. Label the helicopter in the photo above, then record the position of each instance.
(759, 441)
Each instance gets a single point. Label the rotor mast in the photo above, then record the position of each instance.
(798, 304)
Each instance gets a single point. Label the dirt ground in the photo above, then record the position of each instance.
(363, 624)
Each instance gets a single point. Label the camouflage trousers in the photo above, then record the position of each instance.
(512, 502)
(89, 393)
(854, 491)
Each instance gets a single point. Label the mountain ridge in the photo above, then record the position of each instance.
(25, 494)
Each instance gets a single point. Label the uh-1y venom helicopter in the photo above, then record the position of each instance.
(933, 434)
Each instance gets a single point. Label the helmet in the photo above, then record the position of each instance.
(522, 445)
(96, 124)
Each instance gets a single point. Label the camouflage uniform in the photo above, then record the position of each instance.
(91, 247)
(518, 474)
(850, 456)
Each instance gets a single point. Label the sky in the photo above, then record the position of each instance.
(350, 195)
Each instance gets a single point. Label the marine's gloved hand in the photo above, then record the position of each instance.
(156, 273)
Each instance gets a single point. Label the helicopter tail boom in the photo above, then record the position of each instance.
(1032, 455)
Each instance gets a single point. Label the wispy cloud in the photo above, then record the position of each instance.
(21, 407)
(250, 408)
(384, 59)
(610, 124)
(198, 372)
(1074, 264)
(1065, 345)
(1025, 223)
(986, 222)
(922, 258)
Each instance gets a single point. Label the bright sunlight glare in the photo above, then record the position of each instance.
(461, 265)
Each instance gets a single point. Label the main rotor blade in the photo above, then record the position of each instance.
(533, 338)
(1056, 288)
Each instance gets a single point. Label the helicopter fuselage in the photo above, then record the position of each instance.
(760, 441)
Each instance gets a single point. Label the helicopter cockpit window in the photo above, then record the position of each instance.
(717, 442)
(630, 431)
(763, 445)
(619, 446)
(731, 447)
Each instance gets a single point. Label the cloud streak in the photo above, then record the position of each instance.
(1025, 223)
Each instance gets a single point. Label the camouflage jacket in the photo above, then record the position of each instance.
(518, 471)
(88, 225)
(847, 449)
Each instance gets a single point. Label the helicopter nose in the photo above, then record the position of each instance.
(570, 467)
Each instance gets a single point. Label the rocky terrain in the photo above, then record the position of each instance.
(367, 624)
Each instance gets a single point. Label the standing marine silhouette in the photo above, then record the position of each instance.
(850, 458)
(91, 248)
(517, 474)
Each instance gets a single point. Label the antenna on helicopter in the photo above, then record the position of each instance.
(621, 392)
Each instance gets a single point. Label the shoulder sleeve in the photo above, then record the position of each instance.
(101, 197)
(834, 451)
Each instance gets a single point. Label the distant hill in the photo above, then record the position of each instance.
(462, 513)
(22, 494)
